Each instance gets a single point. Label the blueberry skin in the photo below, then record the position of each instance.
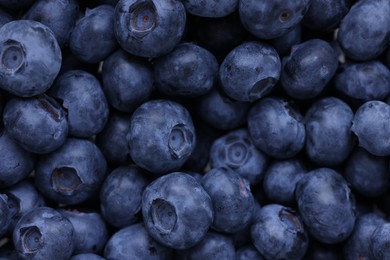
(140, 245)
(320, 189)
(121, 195)
(30, 58)
(72, 174)
(110, 139)
(325, 15)
(364, 81)
(187, 71)
(308, 69)
(367, 174)
(97, 26)
(280, 179)
(47, 12)
(361, 36)
(127, 80)
(43, 233)
(371, 124)
(222, 112)
(210, 8)
(379, 242)
(232, 199)
(271, 19)
(83, 98)
(212, 246)
(176, 210)
(5, 214)
(38, 124)
(149, 28)
(279, 233)
(17, 163)
(90, 230)
(237, 151)
(276, 128)
(248, 252)
(163, 128)
(357, 246)
(86, 256)
(329, 139)
(250, 71)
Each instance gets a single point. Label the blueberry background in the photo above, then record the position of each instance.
(193, 129)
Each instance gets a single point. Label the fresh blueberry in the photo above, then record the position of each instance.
(271, 19)
(379, 242)
(71, 174)
(5, 214)
(326, 205)
(276, 127)
(364, 31)
(280, 179)
(127, 80)
(222, 112)
(371, 124)
(248, 252)
(232, 199)
(93, 38)
(134, 242)
(164, 129)
(90, 231)
(210, 8)
(308, 69)
(38, 124)
(237, 151)
(188, 71)
(59, 15)
(43, 233)
(121, 196)
(16, 163)
(86, 256)
(284, 43)
(250, 71)
(329, 139)
(177, 211)
(212, 246)
(149, 28)
(30, 57)
(279, 233)
(83, 98)
(357, 246)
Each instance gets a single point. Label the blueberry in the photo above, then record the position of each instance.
(237, 151)
(276, 127)
(127, 80)
(121, 195)
(86, 256)
(222, 112)
(176, 210)
(135, 242)
(308, 69)
(73, 173)
(60, 16)
(326, 205)
(188, 71)
(90, 230)
(232, 199)
(30, 57)
(279, 233)
(371, 124)
(212, 246)
(38, 124)
(149, 28)
(17, 163)
(165, 129)
(361, 36)
(5, 214)
(250, 71)
(97, 26)
(285, 42)
(210, 8)
(379, 242)
(271, 19)
(248, 252)
(83, 98)
(43, 233)
(357, 246)
(329, 139)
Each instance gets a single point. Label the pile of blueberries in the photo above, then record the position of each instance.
(194, 129)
